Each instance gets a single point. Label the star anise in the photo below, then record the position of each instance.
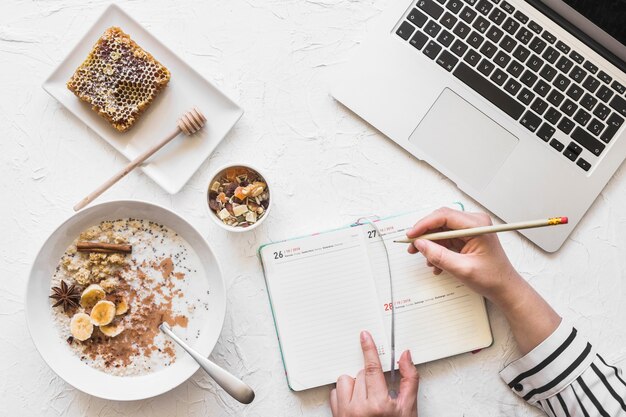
(67, 296)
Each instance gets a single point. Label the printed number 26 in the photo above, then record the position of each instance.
(278, 255)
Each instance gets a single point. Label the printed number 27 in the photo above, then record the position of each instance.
(371, 234)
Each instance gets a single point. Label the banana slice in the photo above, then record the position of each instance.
(112, 330)
(91, 295)
(103, 313)
(81, 326)
(121, 308)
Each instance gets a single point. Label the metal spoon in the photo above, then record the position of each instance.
(237, 389)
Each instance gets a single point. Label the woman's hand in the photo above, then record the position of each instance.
(479, 262)
(367, 394)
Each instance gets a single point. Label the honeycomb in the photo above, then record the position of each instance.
(119, 79)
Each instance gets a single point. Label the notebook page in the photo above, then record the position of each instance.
(322, 295)
(436, 315)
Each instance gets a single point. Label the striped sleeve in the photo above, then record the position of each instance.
(566, 378)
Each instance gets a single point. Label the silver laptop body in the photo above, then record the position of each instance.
(466, 117)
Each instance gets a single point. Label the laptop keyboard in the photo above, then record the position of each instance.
(522, 69)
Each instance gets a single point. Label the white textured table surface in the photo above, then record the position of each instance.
(327, 168)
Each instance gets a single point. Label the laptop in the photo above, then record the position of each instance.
(520, 103)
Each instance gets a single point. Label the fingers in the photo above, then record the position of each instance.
(345, 387)
(441, 258)
(360, 389)
(374, 378)
(410, 379)
(449, 219)
(333, 402)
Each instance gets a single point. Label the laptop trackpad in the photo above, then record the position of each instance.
(461, 141)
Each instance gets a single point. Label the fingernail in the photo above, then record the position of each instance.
(363, 336)
(408, 354)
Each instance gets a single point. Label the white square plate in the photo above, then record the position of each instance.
(173, 165)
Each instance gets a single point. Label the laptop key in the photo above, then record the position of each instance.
(526, 96)
(604, 93)
(489, 91)
(566, 125)
(445, 38)
(582, 117)
(545, 132)
(454, 6)
(472, 57)
(534, 63)
(502, 59)
(418, 40)
(587, 141)
(447, 61)
(432, 49)
(512, 86)
(431, 8)
(530, 121)
(562, 47)
(564, 64)
(461, 30)
(588, 102)
(551, 55)
(515, 69)
(448, 20)
(612, 126)
(578, 74)
(590, 67)
(583, 164)
(550, 38)
(494, 33)
(432, 28)
(485, 67)
(475, 40)
(606, 78)
(569, 107)
(619, 105)
(561, 82)
(468, 14)
(535, 27)
(618, 87)
(521, 53)
(552, 115)
(569, 154)
(528, 78)
(524, 36)
(537, 45)
(542, 88)
(595, 127)
(575, 92)
(508, 44)
(511, 26)
(499, 76)
(481, 24)
(555, 98)
(488, 49)
(539, 106)
(497, 16)
(521, 17)
(591, 84)
(578, 58)
(602, 112)
(557, 145)
(574, 148)
(417, 18)
(484, 7)
(405, 30)
(459, 48)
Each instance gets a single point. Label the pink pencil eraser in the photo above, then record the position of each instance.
(563, 220)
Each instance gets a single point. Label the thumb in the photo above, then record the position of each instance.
(440, 256)
(410, 381)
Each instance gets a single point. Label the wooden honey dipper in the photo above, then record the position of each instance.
(189, 123)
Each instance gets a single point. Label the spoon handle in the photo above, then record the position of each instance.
(237, 389)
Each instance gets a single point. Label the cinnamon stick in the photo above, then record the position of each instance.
(100, 247)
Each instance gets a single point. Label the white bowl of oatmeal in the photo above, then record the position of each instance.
(104, 341)
(238, 198)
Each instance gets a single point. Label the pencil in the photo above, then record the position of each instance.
(476, 231)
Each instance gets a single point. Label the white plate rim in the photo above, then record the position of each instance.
(147, 171)
(166, 387)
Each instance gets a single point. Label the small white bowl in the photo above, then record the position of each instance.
(213, 215)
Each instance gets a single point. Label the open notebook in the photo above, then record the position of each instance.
(325, 288)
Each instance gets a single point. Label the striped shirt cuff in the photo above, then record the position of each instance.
(551, 366)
